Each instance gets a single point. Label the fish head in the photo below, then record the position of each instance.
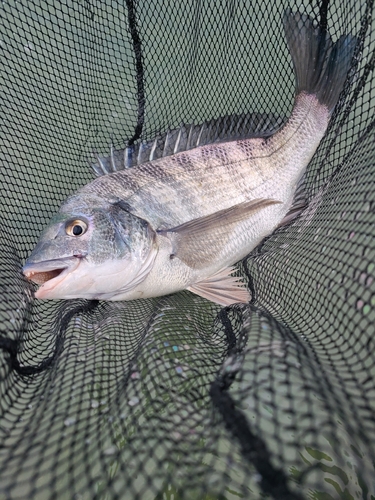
(92, 248)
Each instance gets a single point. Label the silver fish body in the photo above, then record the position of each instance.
(182, 221)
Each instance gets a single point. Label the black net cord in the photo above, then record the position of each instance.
(272, 480)
(137, 46)
(323, 11)
(149, 397)
(367, 70)
(11, 347)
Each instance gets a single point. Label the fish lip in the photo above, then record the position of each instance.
(65, 266)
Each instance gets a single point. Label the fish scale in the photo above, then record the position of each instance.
(172, 190)
(182, 221)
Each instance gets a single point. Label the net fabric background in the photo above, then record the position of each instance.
(175, 397)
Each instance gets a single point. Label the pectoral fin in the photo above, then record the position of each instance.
(198, 242)
(222, 288)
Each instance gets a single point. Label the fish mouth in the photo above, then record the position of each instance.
(41, 277)
(49, 273)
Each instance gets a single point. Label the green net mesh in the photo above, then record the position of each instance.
(175, 397)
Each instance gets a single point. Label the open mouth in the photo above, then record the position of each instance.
(49, 273)
(42, 277)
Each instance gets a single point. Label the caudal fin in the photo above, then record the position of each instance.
(320, 66)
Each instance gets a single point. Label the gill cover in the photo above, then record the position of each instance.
(110, 253)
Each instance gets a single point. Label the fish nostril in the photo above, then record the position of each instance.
(79, 255)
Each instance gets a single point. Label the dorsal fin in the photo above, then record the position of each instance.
(188, 137)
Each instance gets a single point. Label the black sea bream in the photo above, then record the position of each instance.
(182, 221)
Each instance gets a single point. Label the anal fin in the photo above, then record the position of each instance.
(294, 212)
(222, 288)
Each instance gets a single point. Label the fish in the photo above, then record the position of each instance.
(182, 221)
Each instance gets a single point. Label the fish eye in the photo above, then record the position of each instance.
(75, 227)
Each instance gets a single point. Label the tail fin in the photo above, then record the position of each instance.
(320, 66)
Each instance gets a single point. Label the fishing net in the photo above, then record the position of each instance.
(176, 397)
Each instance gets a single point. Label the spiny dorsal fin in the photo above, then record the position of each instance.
(186, 137)
(222, 288)
(198, 242)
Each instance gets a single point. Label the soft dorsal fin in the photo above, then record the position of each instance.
(198, 242)
(222, 288)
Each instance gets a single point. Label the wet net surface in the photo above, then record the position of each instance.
(176, 397)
